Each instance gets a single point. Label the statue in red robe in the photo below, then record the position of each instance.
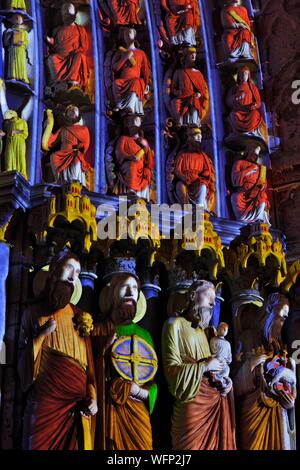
(250, 201)
(68, 45)
(56, 365)
(69, 163)
(244, 101)
(122, 12)
(131, 75)
(237, 39)
(189, 90)
(182, 21)
(195, 174)
(134, 159)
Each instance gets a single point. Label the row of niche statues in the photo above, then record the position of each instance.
(69, 362)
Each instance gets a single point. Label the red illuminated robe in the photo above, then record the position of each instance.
(128, 77)
(70, 137)
(68, 61)
(195, 169)
(185, 84)
(251, 189)
(234, 36)
(245, 115)
(177, 23)
(134, 174)
(125, 11)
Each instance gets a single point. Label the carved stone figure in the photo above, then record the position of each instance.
(245, 103)
(69, 163)
(182, 21)
(128, 402)
(16, 130)
(68, 48)
(221, 348)
(15, 39)
(130, 74)
(265, 382)
(56, 365)
(250, 201)
(238, 39)
(194, 173)
(189, 92)
(203, 418)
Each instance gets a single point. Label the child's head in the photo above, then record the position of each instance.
(222, 329)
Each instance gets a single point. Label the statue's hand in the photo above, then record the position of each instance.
(286, 401)
(227, 388)
(214, 365)
(138, 392)
(90, 409)
(147, 89)
(48, 327)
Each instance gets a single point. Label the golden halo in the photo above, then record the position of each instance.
(39, 283)
(105, 301)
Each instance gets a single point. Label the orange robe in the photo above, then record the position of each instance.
(194, 169)
(134, 174)
(68, 62)
(252, 189)
(233, 36)
(185, 84)
(125, 11)
(129, 78)
(58, 372)
(75, 141)
(245, 115)
(177, 23)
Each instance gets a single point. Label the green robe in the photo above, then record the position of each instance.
(18, 4)
(15, 150)
(17, 60)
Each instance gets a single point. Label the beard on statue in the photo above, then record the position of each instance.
(125, 310)
(57, 295)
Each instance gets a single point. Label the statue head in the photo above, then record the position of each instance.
(194, 139)
(244, 75)
(17, 19)
(234, 2)
(127, 35)
(72, 114)
(63, 274)
(190, 56)
(132, 124)
(68, 13)
(124, 289)
(202, 296)
(253, 152)
(277, 310)
(222, 329)
(10, 114)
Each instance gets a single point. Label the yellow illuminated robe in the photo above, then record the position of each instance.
(15, 149)
(17, 68)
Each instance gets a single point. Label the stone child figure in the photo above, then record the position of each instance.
(203, 414)
(56, 366)
(221, 348)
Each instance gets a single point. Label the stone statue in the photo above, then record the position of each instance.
(189, 92)
(182, 21)
(69, 163)
(250, 201)
(68, 47)
(221, 349)
(131, 74)
(194, 173)
(265, 382)
(128, 404)
(56, 364)
(238, 40)
(15, 39)
(203, 414)
(134, 160)
(245, 103)
(16, 130)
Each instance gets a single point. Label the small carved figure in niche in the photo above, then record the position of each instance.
(265, 382)
(221, 348)
(238, 40)
(15, 39)
(189, 90)
(55, 363)
(134, 159)
(69, 163)
(182, 21)
(16, 130)
(2, 134)
(203, 417)
(68, 47)
(17, 4)
(121, 12)
(245, 103)
(194, 172)
(131, 74)
(250, 202)
(129, 398)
